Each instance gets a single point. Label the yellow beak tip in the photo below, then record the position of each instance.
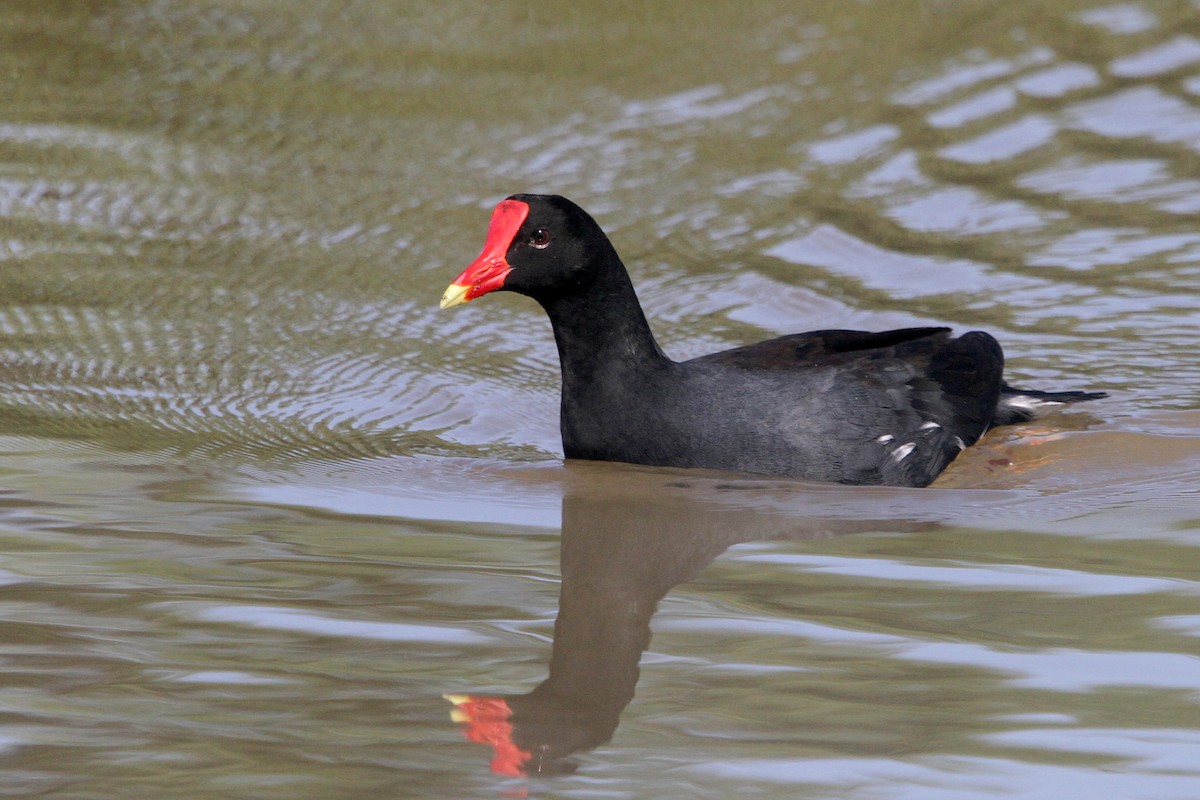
(456, 294)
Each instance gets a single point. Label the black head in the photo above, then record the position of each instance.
(538, 245)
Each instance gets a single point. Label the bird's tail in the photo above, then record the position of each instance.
(1022, 405)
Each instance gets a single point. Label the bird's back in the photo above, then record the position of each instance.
(842, 406)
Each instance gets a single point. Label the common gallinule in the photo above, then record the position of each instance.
(890, 408)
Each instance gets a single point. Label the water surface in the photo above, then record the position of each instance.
(263, 505)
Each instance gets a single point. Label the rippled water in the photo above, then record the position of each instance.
(263, 505)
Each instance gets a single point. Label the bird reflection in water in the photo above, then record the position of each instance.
(630, 535)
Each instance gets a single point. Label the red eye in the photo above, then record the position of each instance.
(540, 239)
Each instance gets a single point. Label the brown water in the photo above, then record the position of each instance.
(263, 505)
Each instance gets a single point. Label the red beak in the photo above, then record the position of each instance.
(487, 273)
(487, 723)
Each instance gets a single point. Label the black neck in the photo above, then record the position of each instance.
(602, 325)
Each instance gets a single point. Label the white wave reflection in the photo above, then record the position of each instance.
(1169, 56)
(290, 619)
(956, 778)
(228, 678)
(1187, 624)
(1014, 577)
(901, 274)
(1155, 749)
(1066, 669)
(1059, 669)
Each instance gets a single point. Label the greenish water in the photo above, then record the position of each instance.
(262, 504)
